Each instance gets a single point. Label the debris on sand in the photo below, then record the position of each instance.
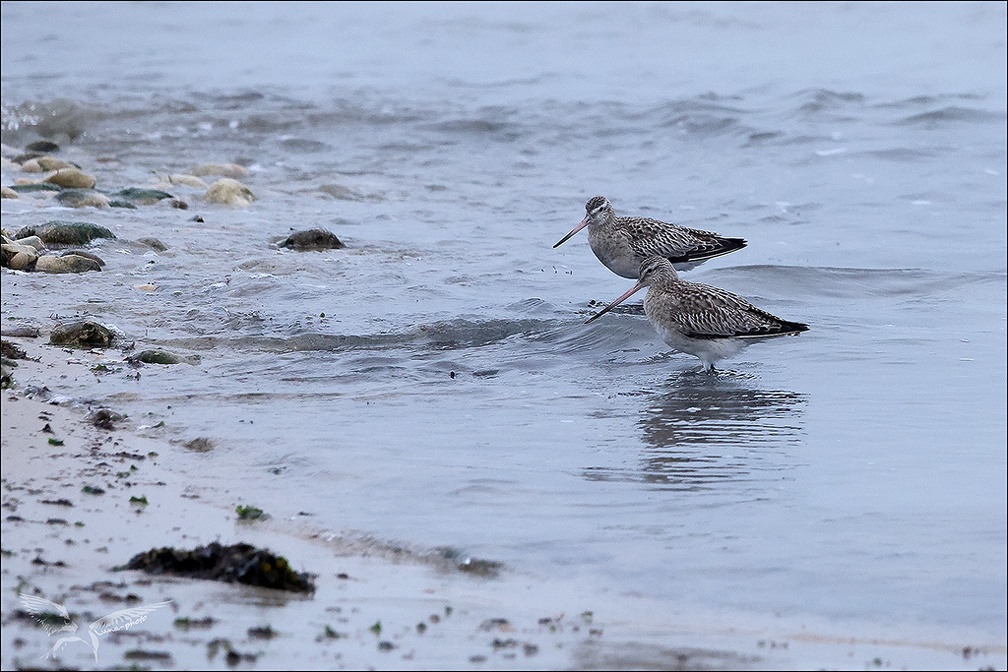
(241, 563)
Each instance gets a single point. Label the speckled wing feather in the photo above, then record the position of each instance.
(703, 311)
(648, 237)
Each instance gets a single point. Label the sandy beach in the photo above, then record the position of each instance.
(73, 513)
(69, 522)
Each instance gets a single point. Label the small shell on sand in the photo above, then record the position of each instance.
(232, 170)
(229, 192)
(72, 178)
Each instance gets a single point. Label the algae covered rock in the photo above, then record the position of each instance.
(82, 334)
(59, 232)
(140, 196)
(46, 146)
(82, 198)
(159, 356)
(32, 187)
(30, 254)
(313, 239)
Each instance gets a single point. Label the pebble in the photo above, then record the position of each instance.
(18, 257)
(232, 170)
(44, 164)
(152, 243)
(186, 180)
(67, 263)
(34, 241)
(20, 254)
(141, 196)
(82, 198)
(42, 146)
(30, 187)
(227, 191)
(84, 253)
(313, 239)
(59, 232)
(82, 334)
(159, 356)
(72, 178)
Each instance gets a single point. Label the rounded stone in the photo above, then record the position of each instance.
(313, 239)
(227, 191)
(69, 263)
(82, 334)
(72, 178)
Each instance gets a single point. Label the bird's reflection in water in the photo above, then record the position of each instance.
(701, 430)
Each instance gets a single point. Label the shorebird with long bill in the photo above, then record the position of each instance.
(621, 243)
(707, 322)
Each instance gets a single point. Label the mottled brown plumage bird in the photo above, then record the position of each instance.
(622, 243)
(700, 320)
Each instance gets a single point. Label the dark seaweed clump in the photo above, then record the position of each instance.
(238, 563)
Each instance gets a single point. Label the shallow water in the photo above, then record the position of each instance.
(434, 384)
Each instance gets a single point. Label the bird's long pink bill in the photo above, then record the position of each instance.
(633, 290)
(584, 223)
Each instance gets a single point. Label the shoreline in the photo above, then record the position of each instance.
(376, 605)
(64, 544)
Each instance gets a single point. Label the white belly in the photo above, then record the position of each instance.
(708, 350)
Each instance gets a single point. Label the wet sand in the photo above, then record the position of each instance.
(72, 515)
